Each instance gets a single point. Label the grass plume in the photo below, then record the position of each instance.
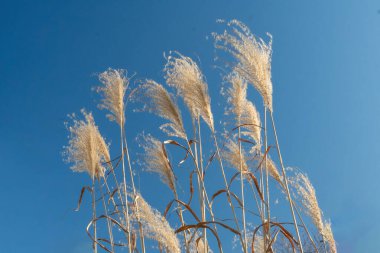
(253, 57)
(184, 75)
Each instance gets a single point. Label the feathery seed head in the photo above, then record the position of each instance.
(307, 196)
(253, 57)
(156, 227)
(162, 104)
(115, 84)
(184, 75)
(87, 148)
(232, 156)
(252, 123)
(272, 170)
(329, 236)
(156, 160)
(237, 94)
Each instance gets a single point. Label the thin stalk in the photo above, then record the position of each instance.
(142, 241)
(242, 193)
(109, 225)
(202, 178)
(304, 226)
(257, 202)
(227, 188)
(201, 184)
(125, 191)
(267, 175)
(182, 221)
(286, 183)
(95, 246)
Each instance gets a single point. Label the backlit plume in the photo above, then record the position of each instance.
(162, 104)
(115, 84)
(184, 75)
(253, 57)
(156, 160)
(87, 148)
(156, 226)
(308, 198)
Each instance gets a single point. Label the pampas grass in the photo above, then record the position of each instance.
(156, 227)
(253, 57)
(202, 217)
(184, 75)
(156, 160)
(161, 102)
(115, 84)
(87, 148)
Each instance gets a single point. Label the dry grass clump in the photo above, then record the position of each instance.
(184, 75)
(161, 102)
(202, 217)
(87, 148)
(156, 226)
(253, 57)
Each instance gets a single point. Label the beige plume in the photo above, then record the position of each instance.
(115, 84)
(156, 160)
(156, 226)
(232, 156)
(162, 104)
(184, 74)
(307, 196)
(87, 148)
(253, 57)
(329, 237)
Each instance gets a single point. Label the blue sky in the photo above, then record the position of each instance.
(326, 100)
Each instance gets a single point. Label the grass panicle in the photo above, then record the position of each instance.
(184, 75)
(253, 56)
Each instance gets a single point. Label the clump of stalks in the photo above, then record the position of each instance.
(122, 218)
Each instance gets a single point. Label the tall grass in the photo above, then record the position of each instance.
(246, 155)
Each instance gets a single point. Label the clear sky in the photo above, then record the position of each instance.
(326, 97)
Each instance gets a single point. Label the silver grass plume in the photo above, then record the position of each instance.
(328, 236)
(197, 244)
(87, 148)
(253, 57)
(156, 226)
(156, 160)
(115, 84)
(184, 75)
(162, 104)
(232, 156)
(251, 119)
(244, 110)
(237, 94)
(273, 171)
(259, 245)
(307, 196)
